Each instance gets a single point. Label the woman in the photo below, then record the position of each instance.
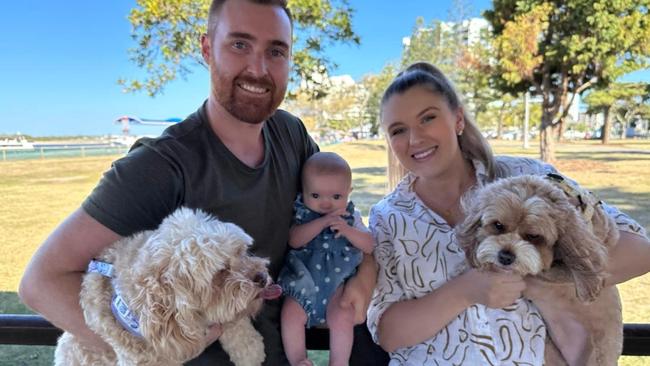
(423, 311)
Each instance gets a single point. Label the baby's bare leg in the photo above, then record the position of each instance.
(340, 322)
(293, 332)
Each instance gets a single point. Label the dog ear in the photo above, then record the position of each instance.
(581, 251)
(168, 320)
(467, 230)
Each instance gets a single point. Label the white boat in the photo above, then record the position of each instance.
(18, 143)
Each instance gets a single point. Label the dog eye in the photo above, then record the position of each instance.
(499, 227)
(533, 238)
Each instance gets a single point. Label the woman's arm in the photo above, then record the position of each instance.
(409, 322)
(630, 258)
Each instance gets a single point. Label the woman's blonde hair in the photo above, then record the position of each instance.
(471, 142)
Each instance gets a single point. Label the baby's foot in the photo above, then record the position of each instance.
(305, 362)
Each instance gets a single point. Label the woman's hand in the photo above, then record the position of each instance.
(493, 289)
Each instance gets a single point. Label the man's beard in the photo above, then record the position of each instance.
(245, 107)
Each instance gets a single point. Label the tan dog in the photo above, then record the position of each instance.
(531, 226)
(174, 282)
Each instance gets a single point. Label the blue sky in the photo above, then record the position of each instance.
(59, 62)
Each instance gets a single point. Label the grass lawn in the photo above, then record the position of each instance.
(37, 194)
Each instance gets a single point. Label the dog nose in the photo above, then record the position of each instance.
(506, 257)
(260, 279)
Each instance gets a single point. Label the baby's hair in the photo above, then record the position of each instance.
(326, 163)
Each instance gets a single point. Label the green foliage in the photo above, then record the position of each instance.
(340, 110)
(508, 113)
(468, 65)
(167, 34)
(626, 100)
(375, 86)
(563, 48)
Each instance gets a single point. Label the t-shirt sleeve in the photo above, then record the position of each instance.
(388, 289)
(310, 145)
(136, 193)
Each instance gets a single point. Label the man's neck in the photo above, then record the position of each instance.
(243, 139)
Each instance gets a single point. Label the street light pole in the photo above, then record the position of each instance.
(526, 118)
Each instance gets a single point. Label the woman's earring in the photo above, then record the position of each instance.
(460, 133)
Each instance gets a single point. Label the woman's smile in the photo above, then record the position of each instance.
(424, 154)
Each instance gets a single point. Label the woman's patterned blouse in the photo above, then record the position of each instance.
(417, 252)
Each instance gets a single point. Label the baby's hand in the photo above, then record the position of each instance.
(338, 213)
(340, 227)
(334, 216)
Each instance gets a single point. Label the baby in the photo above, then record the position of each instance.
(327, 240)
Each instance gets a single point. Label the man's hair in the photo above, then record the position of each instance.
(216, 5)
(326, 163)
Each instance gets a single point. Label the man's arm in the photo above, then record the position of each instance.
(52, 280)
(358, 290)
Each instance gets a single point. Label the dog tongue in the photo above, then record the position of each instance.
(271, 292)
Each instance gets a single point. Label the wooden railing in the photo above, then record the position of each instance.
(35, 330)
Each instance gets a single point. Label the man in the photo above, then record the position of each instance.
(236, 157)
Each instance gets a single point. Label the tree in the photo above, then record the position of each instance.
(338, 112)
(167, 35)
(563, 48)
(466, 62)
(624, 101)
(375, 85)
(342, 109)
(433, 43)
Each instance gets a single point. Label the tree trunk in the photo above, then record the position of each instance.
(607, 126)
(546, 143)
(500, 123)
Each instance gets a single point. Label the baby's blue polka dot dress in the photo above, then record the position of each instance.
(312, 273)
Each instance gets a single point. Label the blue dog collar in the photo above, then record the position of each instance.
(119, 306)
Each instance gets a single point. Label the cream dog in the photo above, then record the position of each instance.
(549, 228)
(166, 287)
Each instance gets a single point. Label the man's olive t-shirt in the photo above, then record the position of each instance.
(189, 166)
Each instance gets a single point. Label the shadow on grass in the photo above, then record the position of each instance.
(611, 155)
(368, 146)
(21, 355)
(638, 203)
(364, 200)
(374, 171)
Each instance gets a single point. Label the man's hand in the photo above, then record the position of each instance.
(212, 334)
(358, 289)
(96, 344)
(354, 296)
